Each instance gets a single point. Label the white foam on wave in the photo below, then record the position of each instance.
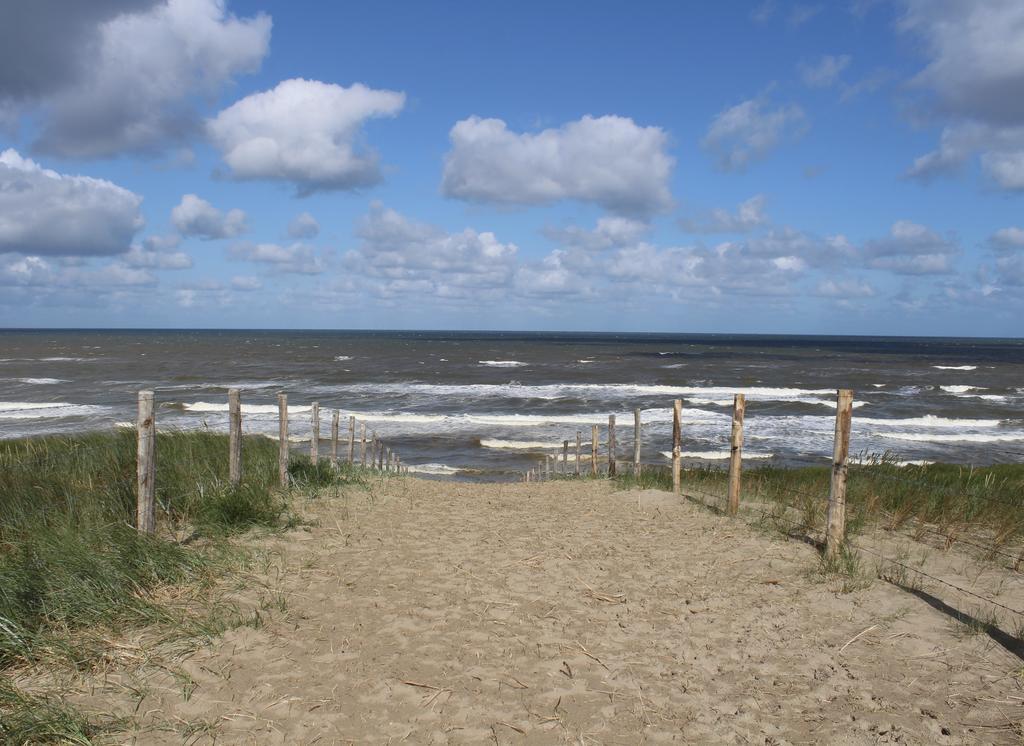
(522, 445)
(954, 437)
(41, 381)
(960, 389)
(673, 366)
(342, 358)
(986, 397)
(878, 385)
(66, 359)
(956, 367)
(715, 455)
(205, 406)
(586, 361)
(502, 363)
(579, 390)
(927, 421)
(20, 410)
(432, 469)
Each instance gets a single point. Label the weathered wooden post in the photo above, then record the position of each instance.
(314, 438)
(145, 512)
(380, 455)
(547, 466)
(351, 438)
(736, 452)
(594, 437)
(362, 445)
(234, 437)
(579, 442)
(677, 445)
(611, 445)
(282, 439)
(387, 463)
(835, 533)
(636, 442)
(565, 457)
(335, 421)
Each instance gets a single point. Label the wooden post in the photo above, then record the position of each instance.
(335, 421)
(579, 442)
(736, 452)
(835, 533)
(387, 463)
(351, 438)
(565, 457)
(677, 445)
(380, 455)
(282, 438)
(314, 438)
(611, 445)
(234, 437)
(362, 445)
(145, 513)
(594, 437)
(373, 450)
(636, 442)
(547, 467)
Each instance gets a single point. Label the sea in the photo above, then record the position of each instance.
(487, 405)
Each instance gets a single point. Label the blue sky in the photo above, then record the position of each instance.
(772, 167)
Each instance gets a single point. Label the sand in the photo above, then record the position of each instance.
(566, 613)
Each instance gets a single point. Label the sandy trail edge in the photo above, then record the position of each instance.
(568, 612)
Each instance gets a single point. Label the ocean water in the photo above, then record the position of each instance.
(478, 405)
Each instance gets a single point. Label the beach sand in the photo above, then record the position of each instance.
(566, 613)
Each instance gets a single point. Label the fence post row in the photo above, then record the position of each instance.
(677, 439)
(579, 442)
(335, 421)
(314, 438)
(145, 514)
(736, 452)
(351, 438)
(636, 442)
(234, 437)
(611, 445)
(835, 532)
(282, 437)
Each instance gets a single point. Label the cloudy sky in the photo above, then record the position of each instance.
(791, 167)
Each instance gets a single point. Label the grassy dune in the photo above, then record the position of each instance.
(71, 563)
(951, 499)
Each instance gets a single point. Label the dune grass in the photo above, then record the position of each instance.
(71, 560)
(950, 499)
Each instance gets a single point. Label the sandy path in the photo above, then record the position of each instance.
(568, 613)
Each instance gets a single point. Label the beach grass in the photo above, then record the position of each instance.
(946, 500)
(71, 561)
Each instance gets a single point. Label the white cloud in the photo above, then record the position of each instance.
(304, 132)
(143, 258)
(47, 213)
(194, 216)
(1006, 168)
(911, 249)
(303, 225)
(750, 130)
(610, 231)
(1008, 238)
(749, 215)
(296, 258)
(845, 288)
(825, 72)
(609, 161)
(973, 80)
(246, 283)
(400, 250)
(132, 87)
